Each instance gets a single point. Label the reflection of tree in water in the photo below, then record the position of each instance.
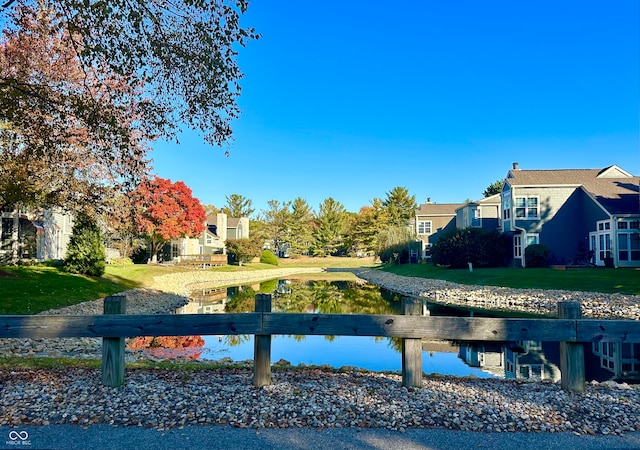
(236, 339)
(240, 299)
(168, 346)
(325, 297)
(333, 297)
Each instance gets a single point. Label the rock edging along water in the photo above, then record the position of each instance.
(171, 292)
(532, 301)
(183, 283)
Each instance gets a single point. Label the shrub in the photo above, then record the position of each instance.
(86, 252)
(267, 257)
(244, 250)
(536, 255)
(482, 248)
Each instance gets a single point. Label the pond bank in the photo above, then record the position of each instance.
(532, 301)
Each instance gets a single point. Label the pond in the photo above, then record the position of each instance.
(517, 360)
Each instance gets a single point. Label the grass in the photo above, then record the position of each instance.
(32, 289)
(622, 280)
(29, 290)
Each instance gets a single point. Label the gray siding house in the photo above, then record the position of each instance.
(39, 235)
(582, 215)
(484, 213)
(430, 221)
(212, 240)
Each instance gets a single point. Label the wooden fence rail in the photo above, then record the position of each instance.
(114, 326)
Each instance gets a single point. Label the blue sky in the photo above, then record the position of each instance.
(349, 99)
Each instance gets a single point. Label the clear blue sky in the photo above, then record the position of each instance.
(348, 99)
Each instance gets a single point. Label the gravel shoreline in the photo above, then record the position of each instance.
(297, 397)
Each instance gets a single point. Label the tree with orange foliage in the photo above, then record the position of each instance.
(165, 211)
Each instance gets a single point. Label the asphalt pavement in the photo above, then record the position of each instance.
(105, 437)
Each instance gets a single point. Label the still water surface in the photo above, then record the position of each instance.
(520, 360)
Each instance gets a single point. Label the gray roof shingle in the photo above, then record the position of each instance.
(613, 188)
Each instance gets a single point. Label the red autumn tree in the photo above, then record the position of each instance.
(165, 211)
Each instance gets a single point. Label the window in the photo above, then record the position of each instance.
(506, 208)
(174, 250)
(622, 225)
(424, 227)
(517, 243)
(623, 246)
(634, 245)
(526, 207)
(605, 246)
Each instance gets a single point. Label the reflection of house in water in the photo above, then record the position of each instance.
(515, 360)
(284, 287)
(620, 358)
(488, 356)
(438, 347)
(206, 301)
(527, 361)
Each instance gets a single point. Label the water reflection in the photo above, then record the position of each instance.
(513, 360)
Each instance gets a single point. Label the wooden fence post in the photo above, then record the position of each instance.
(113, 348)
(262, 347)
(571, 353)
(411, 348)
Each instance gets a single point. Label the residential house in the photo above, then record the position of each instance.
(37, 235)
(484, 213)
(581, 215)
(212, 240)
(430, 220)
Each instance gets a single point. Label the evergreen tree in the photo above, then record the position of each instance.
(301, 223)
(494, 188)
(400, 206)
(278, 223)
(330, 227)
(238, 206)
(86, 253)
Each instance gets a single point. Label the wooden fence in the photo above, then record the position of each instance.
(114, 326)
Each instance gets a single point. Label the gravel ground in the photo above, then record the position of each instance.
(303, 397)
(165, 399)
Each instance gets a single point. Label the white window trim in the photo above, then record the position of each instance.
(517, 246)
(425, 222)
(526, 207)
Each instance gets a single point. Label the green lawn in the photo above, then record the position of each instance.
(29, 290)
(32, 289)
(624, 281)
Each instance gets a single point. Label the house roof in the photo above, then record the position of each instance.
(614, 188)
(438, 209)
(491, 200)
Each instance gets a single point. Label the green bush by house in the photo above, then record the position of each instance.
(482, 248)
(267, 257)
